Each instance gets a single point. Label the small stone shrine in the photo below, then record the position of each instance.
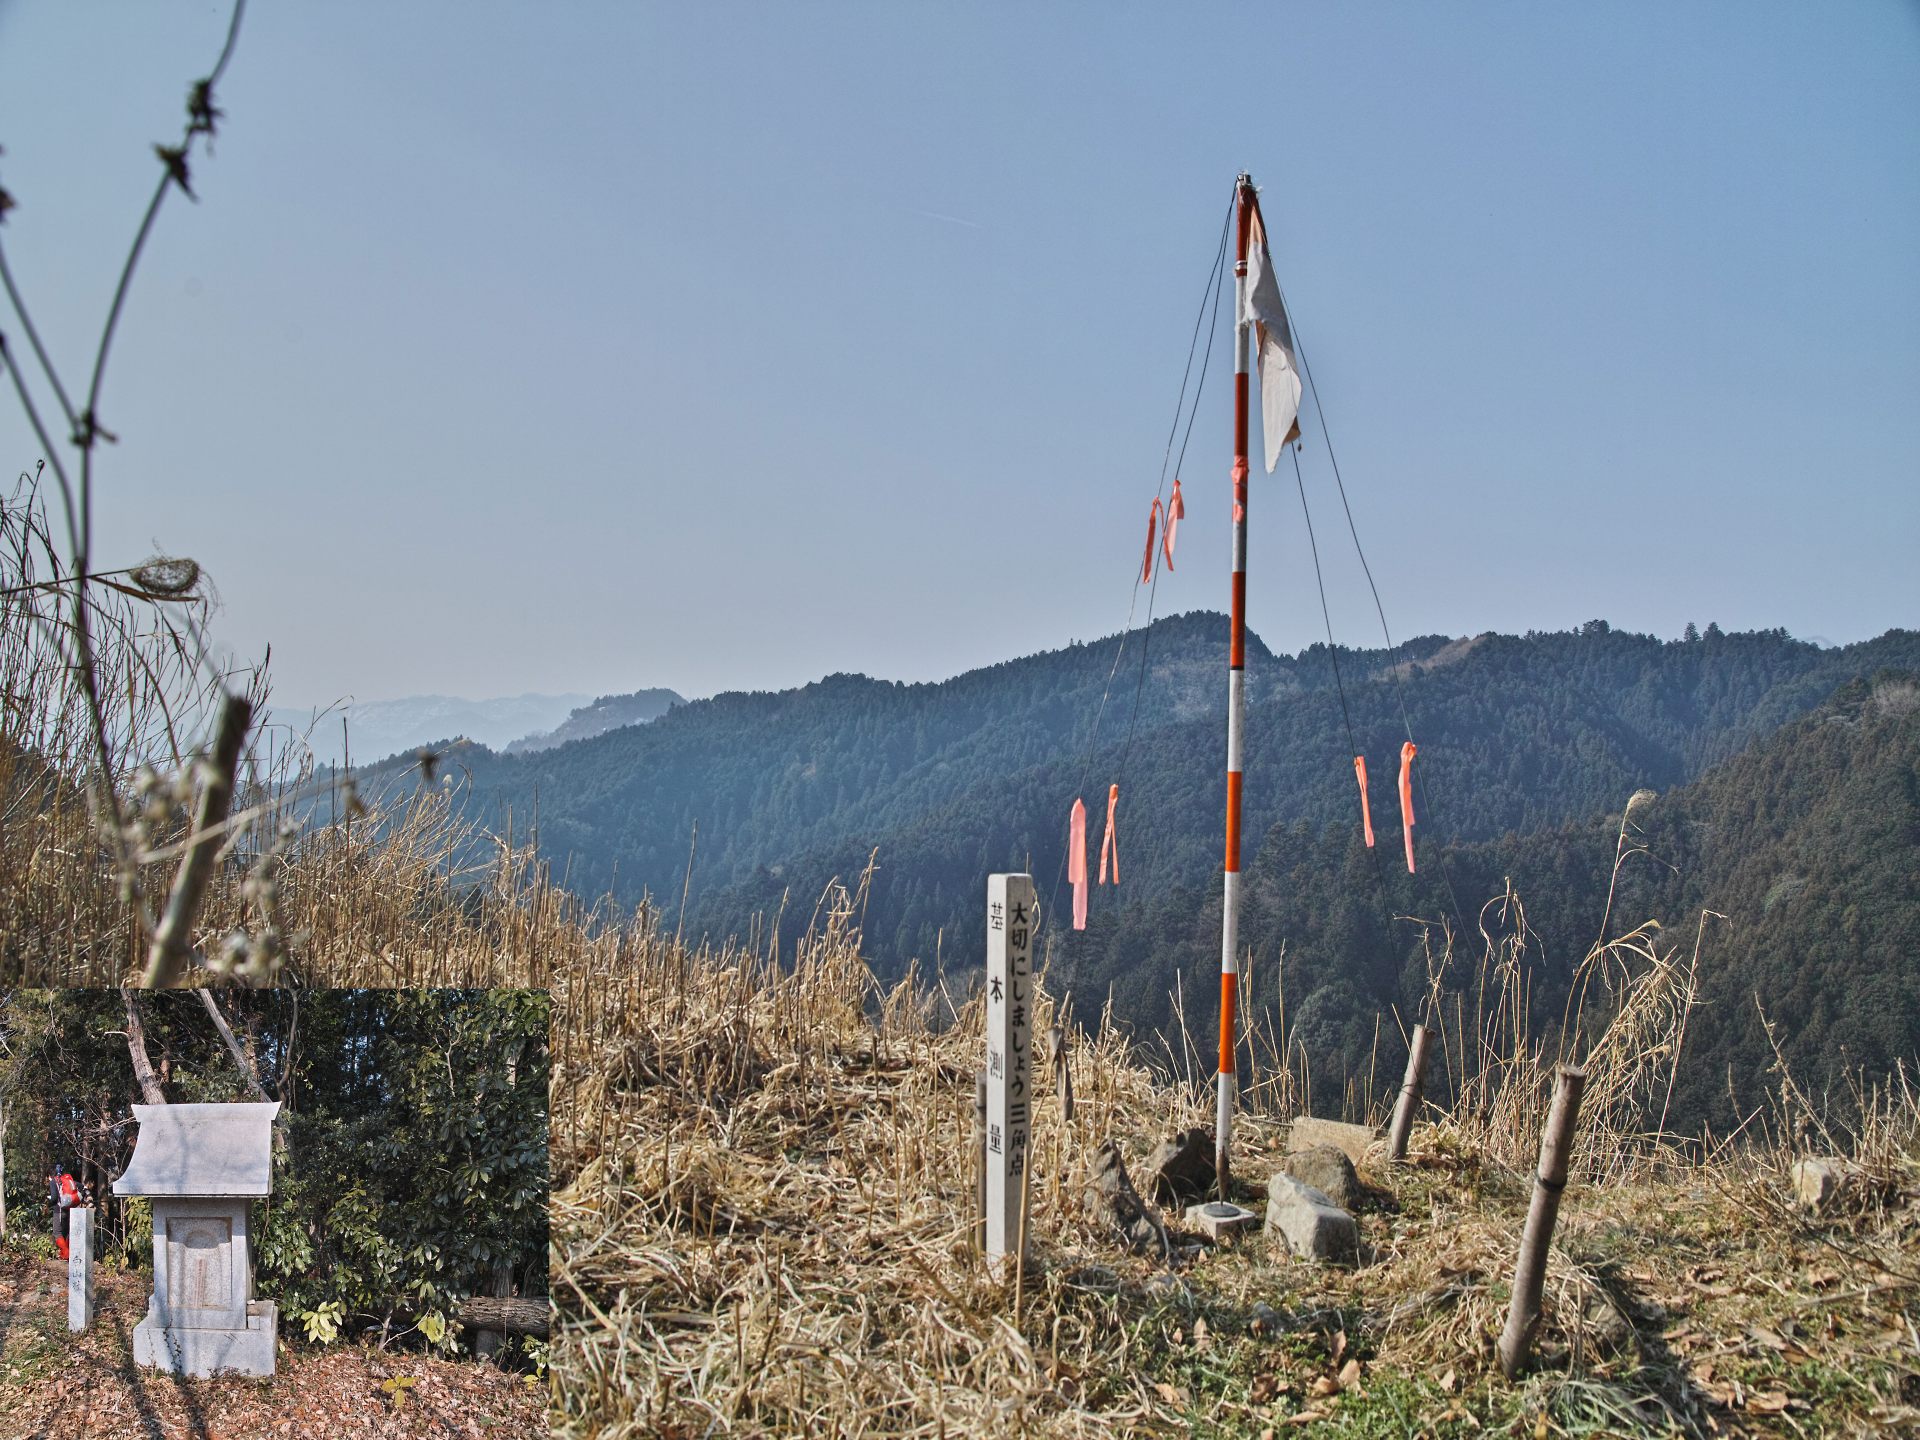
(202, 1166)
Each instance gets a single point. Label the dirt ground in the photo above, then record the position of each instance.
(59, 1386)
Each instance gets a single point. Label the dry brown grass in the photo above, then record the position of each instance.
(373, 897)
(763, 1198)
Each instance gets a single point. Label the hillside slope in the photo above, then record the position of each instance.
(951, 780)
(1805, 846)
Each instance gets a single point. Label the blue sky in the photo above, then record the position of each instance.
(520, 347)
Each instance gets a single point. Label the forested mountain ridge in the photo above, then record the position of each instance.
(953, 779)
(1805, 847)
(1515, 735)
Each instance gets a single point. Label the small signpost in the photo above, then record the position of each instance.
(1011, 911)
(79, 1268)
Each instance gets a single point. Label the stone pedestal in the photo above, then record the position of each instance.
(208, 1353)
(79, 1268)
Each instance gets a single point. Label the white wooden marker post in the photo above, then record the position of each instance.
(79, 1268)
(1010, 919)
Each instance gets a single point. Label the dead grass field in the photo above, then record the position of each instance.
(762, 1208)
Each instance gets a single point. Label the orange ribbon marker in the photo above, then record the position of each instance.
(1153, 524)
(1110, 842)
(1239, 484)
(1176, 511)
(1366, 815)
(1077, 863)
(1406, 798)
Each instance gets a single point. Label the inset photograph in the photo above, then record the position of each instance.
(233, 1213)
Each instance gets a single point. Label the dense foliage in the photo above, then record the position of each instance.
(411, 1168)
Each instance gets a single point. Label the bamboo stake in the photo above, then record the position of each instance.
(1410, 1091)
(1530, 1270)
(1062, 1076)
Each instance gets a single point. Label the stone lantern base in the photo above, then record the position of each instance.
(207, 1353)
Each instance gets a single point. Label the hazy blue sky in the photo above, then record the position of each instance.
(588, 347)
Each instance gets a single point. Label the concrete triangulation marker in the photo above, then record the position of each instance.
(1307, 1222)
(1220, 1219)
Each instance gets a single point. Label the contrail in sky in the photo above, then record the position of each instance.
(951, 219)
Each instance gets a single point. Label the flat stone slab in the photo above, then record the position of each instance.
(1310, 1224)
(201, 1150)
(1351, 1140)
(208, 1353)
(1218, 1219)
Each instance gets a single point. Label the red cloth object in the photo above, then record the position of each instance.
(60, 1244)
(1407, 752)
(1110, 842)
(1153, 526)
(1239, 484)
(1366, 814)
(1176, 511)
(1077, 863)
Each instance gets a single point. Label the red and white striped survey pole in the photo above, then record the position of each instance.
(1236, 696)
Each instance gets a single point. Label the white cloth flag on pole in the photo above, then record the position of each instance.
(1279, 376)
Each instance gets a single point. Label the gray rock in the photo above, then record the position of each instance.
(1180, 1170)
(1310, 1224)
(1351, 1140)
(1328, 1170)
(1817, 1183)
(1111, 1200)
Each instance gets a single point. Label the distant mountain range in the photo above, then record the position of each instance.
(609, 712)
(377, 730)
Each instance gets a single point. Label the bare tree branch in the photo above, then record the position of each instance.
(233, 1046)
(168, 956)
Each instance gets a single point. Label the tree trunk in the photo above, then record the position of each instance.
(137, 1049)
(240, 1058)
(489, 1342)
(518, 1316)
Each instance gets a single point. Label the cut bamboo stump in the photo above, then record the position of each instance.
(1530, 1270)
(1411, 1090)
